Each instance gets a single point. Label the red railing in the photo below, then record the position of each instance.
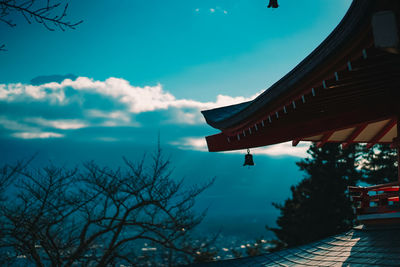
(376, 199)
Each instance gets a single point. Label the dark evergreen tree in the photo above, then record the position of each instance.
(379, 165)
(319, 205)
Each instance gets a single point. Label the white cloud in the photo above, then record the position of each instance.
(92, 103)
(96, 113)
(112, 118)
(212, 10)
(191, 143)
(284, 149)
(59, 124)
(137, 99)
(37, 135)
(9, 90)
(14, 125)
(130, 100)
(15, 91)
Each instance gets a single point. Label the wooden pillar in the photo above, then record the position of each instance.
(398, 164)
(396, 145)
(398, 148)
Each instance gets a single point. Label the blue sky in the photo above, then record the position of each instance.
(191, 47)
(136, 68)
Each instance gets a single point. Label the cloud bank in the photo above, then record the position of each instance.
(109, 110)
(85, 102)
(136, 99)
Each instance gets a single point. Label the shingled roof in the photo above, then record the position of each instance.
(361, 246)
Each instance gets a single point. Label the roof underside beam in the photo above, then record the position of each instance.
(345, 43)
(295, 142)
(367, 93)
(325, 139)
(382, 132)
(296, 130)
(354, 135)
(361, 82)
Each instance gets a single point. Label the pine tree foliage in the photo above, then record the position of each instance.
(379, 165)
(319, 206)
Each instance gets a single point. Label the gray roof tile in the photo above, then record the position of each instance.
(357, 247)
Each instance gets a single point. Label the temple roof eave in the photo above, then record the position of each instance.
(338, 42)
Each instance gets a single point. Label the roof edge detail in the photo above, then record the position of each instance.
(231, 117)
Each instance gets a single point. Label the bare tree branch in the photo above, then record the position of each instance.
(51, 14)
(47, 14)
(99, 216)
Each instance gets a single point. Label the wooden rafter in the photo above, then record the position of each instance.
(370, 86)
(324, 139)
(382, 132)
(296, 142)
(354, 135)
(292, 129)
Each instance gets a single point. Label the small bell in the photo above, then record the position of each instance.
(248, 159)
(273, 3)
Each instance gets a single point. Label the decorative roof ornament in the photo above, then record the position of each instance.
(273, 4)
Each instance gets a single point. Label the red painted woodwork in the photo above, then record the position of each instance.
(383, 196)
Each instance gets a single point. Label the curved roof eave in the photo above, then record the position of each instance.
(227, 117)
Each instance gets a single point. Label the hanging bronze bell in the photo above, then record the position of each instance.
(273, 4)
(248, 159)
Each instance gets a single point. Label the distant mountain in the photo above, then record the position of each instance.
(52, 78)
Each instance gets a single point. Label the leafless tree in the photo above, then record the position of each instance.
(7, 173)
(100, 217)
(51, 14)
